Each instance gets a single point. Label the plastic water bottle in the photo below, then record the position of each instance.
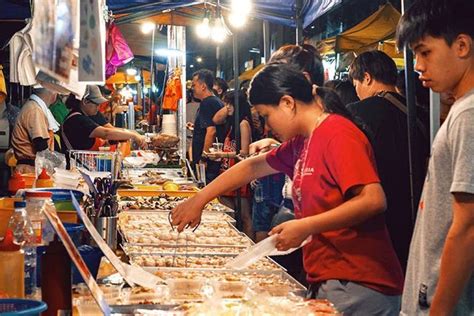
(24, 236)
(35, 203)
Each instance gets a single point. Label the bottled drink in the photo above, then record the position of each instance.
(20, 225)
(35, 203)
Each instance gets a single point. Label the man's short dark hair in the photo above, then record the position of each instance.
(437, 18)
(377, 64)
(206, 76)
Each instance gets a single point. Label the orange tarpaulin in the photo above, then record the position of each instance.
(375, 32)
(122, 78)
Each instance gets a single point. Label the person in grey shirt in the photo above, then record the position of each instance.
(439, 279)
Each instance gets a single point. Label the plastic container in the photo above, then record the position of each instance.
(34, 207)
(92, 257)
(75, 232)
(44, 180)
(62, 198)
(21, 307)
(12, 271)
(15, 183)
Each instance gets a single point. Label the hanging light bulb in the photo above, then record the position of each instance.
(203, 30)
(147, 27)
(219, 33)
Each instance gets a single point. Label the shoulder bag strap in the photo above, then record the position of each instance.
(63, 135)
(399, 105)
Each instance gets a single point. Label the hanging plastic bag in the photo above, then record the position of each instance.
(118, 53)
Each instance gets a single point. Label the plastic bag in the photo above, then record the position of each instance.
(49, 159)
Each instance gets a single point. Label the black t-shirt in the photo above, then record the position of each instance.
(99, 118)
(77, 128)
(388, 126)
(207, 109)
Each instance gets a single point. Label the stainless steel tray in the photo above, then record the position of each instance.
(170, 249)
(276, 265)
(299, 288)
(130, 309)
(225, 216)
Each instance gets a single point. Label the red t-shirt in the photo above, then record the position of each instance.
(324, 167)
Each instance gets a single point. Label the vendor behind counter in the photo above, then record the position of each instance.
(87, 129)
(34, 128)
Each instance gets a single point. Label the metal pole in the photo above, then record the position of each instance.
(411, 109)
(218, 61)
(235, 57)
(152, 73)
(299, 22)
(266, 41)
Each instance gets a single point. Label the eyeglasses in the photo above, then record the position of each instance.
(90, 101)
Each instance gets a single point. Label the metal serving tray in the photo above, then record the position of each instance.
(299, 289)
(182, 250)
(226, 217)
(201, 255)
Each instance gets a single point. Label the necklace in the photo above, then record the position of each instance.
(321, 118)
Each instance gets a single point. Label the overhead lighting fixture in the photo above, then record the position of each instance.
(169, 52)
(203, 30)
(147, 27)
(219, 33)
(191, 66)
(199, 59)
(240, 10)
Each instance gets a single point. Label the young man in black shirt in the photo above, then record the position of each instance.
(383, 110)
(205, 131)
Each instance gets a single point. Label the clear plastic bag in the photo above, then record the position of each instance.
(49, 159)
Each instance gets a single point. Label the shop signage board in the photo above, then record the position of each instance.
(92, 42)
(53, 37)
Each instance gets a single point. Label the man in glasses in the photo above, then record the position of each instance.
(85, 129)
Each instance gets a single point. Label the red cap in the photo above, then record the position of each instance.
(38, 194)
(7, 243)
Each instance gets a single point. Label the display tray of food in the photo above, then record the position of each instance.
(156, 200)
(275, 282)
(204, 229)
(154, 173)
(196, 261)
(154, 240)
(132, 194)
(139, 216)
(182, 186)
(138, 249)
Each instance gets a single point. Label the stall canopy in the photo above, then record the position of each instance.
(368, 34)
(276, 11)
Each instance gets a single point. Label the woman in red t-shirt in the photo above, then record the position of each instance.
(337, 195)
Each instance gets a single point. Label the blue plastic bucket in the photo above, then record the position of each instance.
(91, 256)
(21, 307)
